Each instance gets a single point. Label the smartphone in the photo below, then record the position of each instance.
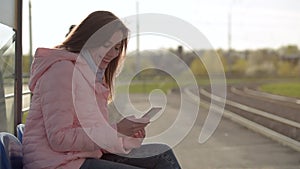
(152, 112)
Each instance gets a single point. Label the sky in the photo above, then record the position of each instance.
(254, 23)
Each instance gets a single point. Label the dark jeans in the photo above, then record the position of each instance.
(150, 156)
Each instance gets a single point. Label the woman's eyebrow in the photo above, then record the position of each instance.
(109, 42)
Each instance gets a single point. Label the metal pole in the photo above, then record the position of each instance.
(18, 68)
(229, 42)
(229, 29)
(230, 39)
(137, 38)
(30, 35)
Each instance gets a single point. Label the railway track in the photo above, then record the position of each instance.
(274, 116)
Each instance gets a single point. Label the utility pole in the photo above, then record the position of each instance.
(138, 60)
(230, 61)
(137, 38)
(229, 30)
(229, 40)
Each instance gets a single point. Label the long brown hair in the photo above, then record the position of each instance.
(79, 35)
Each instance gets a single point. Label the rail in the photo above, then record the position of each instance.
(285, 140)
(11, 95)
(253, 110)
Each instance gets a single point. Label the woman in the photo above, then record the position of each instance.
(67, 126)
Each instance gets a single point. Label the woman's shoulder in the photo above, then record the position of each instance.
(64, 64)
(61, 68)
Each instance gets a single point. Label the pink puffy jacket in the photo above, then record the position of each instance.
(68, 117)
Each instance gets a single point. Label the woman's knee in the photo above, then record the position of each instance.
(149, 150)
(158, 146)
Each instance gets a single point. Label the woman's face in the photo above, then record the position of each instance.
(110, 50)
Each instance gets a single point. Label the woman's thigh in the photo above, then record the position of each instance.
(105, 164)
(151, 156)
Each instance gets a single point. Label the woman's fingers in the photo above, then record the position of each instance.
(138, 124)
(131, 125)
(140, 134)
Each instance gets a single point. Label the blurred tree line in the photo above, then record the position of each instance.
(26, 65)
(281, 62)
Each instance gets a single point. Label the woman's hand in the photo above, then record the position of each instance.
(129, 126)
(140, 134)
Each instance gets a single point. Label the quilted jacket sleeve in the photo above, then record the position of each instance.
(58, 112)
